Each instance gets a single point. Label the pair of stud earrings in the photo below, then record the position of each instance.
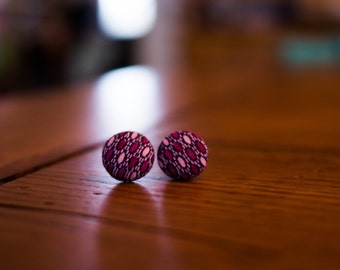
(128, 156)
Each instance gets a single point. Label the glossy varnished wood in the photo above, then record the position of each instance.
(260, 208)
(269, 198)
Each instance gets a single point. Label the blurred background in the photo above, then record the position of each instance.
(44, 43)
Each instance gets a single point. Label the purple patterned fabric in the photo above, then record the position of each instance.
(182, 155)
(128, 156)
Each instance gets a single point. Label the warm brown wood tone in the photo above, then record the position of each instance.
(269, 198)
(254, 207)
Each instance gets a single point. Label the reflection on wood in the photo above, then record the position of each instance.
(268, 199)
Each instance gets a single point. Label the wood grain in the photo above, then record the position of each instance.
(42, 128)
(269, 198)
(253, 207)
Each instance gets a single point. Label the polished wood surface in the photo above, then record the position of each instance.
(268, 199)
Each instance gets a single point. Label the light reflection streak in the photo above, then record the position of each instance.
(127, 99)
(166, 251)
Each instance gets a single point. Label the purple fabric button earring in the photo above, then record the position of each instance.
(128, 156)
(182, 155)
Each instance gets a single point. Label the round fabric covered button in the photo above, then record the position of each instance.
(182, 155)
(128, 156)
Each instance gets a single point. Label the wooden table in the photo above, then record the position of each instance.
(268, 199)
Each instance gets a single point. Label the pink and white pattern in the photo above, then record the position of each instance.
(128, 156)
(182, 155)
